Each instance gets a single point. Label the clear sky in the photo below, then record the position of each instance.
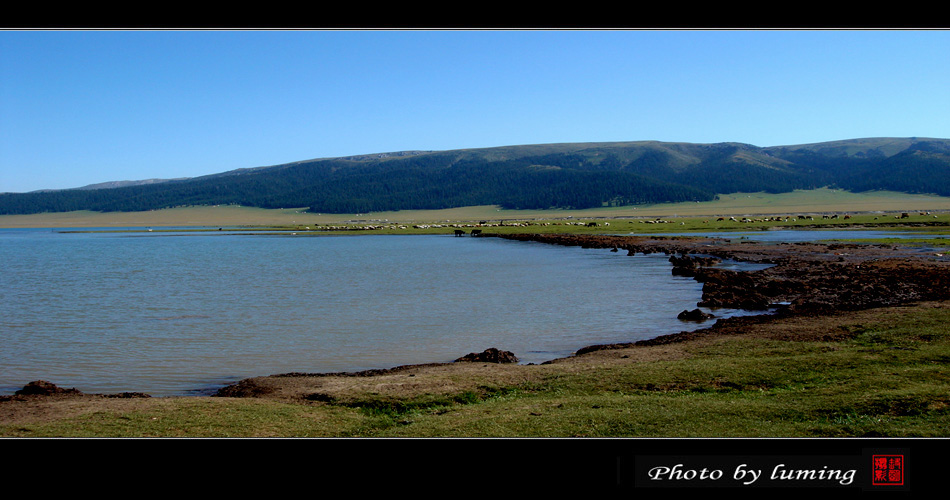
(88, 106)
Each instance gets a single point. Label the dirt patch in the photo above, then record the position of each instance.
(429, 379)
(40, 408)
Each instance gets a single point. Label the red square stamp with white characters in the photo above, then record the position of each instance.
(887, 470)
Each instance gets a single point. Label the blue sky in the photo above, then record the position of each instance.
(88, 106)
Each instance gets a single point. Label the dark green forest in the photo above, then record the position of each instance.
(575, 176)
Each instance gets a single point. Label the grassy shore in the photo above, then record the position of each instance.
(881, 372)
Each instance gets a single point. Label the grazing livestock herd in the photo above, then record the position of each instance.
(476, 228)
(458, 228)
(785, 218)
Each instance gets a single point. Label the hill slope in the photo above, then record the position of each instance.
(571, 175)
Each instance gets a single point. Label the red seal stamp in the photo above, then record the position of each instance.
(887, 470)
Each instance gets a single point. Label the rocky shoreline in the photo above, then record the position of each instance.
(807, 278)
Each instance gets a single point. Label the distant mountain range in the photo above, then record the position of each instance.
(118, 184)
(569, 175)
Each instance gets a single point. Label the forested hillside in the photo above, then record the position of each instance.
(581, 175)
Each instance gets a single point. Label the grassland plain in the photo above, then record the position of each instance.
(877, 372)
(819, 201)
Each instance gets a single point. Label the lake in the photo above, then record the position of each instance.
(179, 313)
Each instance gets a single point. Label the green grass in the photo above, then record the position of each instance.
(911, 242)
(745, 390)
(197, 417)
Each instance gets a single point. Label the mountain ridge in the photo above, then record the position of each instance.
(555, 175)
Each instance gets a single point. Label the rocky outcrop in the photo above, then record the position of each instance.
(44, 388)
(687, 265)
(735, 289)
(694, 315)
(247, 388)
(491, 355)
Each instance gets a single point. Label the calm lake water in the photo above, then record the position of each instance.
(186, 313)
